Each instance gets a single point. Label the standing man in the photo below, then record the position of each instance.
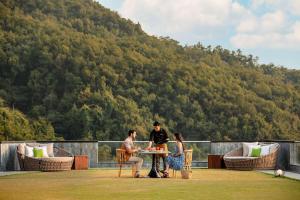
(160, 138)
(129, 147)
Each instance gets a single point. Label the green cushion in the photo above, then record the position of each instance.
(255, 152)
(37, 153)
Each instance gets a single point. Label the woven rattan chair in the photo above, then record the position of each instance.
(61, 161)
(188, 157)
(121, 161)
(235, 160)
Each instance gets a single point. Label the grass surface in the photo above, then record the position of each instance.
(104, 184)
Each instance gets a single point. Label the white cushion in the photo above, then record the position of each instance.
(252, 147)
(239, 158)
(28, 151)
(21, 148)
(57, 159)
(44, 148)
(246, 146)
(273, 147)
(265, 150)
(49, 149)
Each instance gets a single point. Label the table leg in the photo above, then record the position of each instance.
(153, 172)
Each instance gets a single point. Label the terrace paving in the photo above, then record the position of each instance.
(291, 175)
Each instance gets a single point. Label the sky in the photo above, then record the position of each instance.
(269, 29)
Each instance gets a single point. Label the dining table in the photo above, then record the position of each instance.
(154, 172)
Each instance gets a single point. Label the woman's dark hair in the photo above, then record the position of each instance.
(130, 132)
(179, 137)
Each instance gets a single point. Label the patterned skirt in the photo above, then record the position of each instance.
(176, 162)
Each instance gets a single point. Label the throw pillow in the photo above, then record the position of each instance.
(255, 152)
(246, 146)
(21, 148)
(28, 151)
(250, 149)
(44, 149)
(38, 153)
(265, 150)
(49, 149)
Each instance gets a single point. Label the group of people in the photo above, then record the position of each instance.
(159, 138)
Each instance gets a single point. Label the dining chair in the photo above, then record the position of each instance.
(121, 161)
(188, 157)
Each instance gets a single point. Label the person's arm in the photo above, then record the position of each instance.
(132, 150)
(129, 149)
(151, 140)
(149, 145)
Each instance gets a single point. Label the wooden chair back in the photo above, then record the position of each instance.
(188, 157)
(120, 156)
(121, 160)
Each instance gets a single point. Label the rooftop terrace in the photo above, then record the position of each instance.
(102, 153)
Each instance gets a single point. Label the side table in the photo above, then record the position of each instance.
(80, 162)
(216, 161)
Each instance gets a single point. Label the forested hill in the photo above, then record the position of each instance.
(81, 69)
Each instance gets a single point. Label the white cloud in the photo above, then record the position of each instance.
(257, 3)
(248, 25)
(267, 23)
(270, 39)
(289, 6)
(175, 17)
(263, 24)
(272, 21)
(294, 7)
(275, 29)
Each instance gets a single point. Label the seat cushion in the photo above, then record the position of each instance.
(239, 158)
(57, 159)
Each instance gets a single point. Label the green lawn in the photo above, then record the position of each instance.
(104, 184)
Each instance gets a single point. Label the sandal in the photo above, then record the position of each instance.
(166, 175)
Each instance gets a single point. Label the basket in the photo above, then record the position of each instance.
(186, 173)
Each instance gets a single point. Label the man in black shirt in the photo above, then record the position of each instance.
(160, 138)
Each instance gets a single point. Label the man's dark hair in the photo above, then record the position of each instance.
(130, 132)
(156, 123)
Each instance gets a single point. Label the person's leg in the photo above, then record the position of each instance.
(138, 162)
(163, 156)
(167, 165)
(165, 146)
(157, 162)
(165, 162)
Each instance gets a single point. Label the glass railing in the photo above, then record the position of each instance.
(295, 153)
(107, 152)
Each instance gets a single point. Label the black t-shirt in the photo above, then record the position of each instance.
(159, 137)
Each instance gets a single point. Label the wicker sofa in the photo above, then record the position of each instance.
(236, 161)
(61, 161)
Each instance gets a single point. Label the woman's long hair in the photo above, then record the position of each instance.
(179, 137)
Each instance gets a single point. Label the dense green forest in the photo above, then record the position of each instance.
(73, 69)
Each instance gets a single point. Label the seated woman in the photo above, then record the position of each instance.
(175, 161)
